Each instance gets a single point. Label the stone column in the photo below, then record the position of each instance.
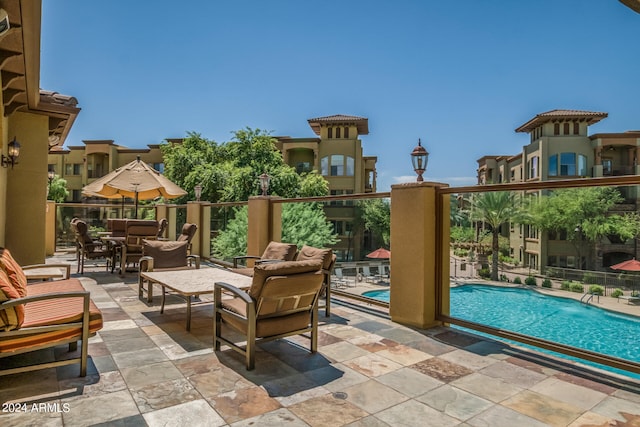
(419, 254)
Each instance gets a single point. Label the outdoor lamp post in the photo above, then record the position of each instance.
(198, 191)
(264, 183)
(13, 152)
(51, 175)
(419, 158)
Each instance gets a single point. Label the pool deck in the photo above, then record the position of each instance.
(146, 369)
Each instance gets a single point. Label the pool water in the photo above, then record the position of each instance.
(557, 319)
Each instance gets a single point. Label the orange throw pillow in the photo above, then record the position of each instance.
(11, 317)
(14, 272)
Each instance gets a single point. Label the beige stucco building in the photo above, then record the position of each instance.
(560, 147)
(337, 154)
(82, 164)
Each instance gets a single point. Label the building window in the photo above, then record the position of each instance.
(556, 128)
(346, 132)
(553, 165)
(567, 164)
(302, 167)
(607, 167)
(330, 132)
(159, 167)
(533, 167)
(576, 128)
(73, 169)
(76, 195)
(337, 132)
(350, 166)
(566, 128)
(582, 165)
(337, 164)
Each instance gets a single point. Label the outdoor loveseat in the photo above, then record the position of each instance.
(43, 315)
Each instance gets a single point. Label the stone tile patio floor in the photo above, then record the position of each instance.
(146, 369)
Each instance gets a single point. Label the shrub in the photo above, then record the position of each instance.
(596, 290)
(589, 278)
(530, 281)
(517, 280)
(576, 287)
(546, 283)
(635, 293)
(566, 285)
(617, 293)
(504, 278)
(461, 252)
(484, 273)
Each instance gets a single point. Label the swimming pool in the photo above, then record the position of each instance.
(562, 320)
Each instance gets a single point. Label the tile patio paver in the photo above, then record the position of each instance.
(146, 370)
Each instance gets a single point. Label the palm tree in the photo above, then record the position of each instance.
(494, 209)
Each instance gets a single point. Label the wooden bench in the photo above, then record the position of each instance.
(58, 312)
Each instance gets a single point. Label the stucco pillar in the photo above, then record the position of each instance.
(50, 228)
(172, 219)
(265, 223)
(419, 254)
(205, 231)
(194, 216)
(161, 211)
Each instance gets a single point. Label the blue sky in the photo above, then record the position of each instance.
(461, 75)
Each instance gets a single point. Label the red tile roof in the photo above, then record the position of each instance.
(362, 123)
(590, 117)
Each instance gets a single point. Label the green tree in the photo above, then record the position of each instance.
(58, 190)
(494, 209)
(229, 172)
(583, 214)
(302, 224)
(376, 214)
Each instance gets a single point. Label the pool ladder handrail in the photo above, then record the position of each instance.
(591, 295)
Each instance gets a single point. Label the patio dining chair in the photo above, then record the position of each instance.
(137, 230)
(86, 246)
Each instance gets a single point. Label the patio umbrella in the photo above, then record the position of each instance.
(380, 253)
(136, 180)
(628, 265)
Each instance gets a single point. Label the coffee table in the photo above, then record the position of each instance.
(193, 282)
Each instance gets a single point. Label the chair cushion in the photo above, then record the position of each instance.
(11, 317)
(14, 272)
(53, 312)
(262, 271)
(187, 232)
(309, 252)
(166, 254)
(280, 251)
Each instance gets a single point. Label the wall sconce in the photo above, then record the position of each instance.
(198, 191)
(419, 158)
(13, 152)
(264, 183)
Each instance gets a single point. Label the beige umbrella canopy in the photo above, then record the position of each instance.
(136, 180)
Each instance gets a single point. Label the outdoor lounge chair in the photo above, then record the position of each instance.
(186, 234)
(275, 251)
(282, 301)
(162, 255)
(43, 315)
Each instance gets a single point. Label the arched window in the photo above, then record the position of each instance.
(576, 128)
(329, 132)
(337, 132)
(346, 132)
(556, 128)
(566, 128)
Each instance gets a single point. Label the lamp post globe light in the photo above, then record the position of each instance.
(264, 183)
(198, 191)
(419, 158)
